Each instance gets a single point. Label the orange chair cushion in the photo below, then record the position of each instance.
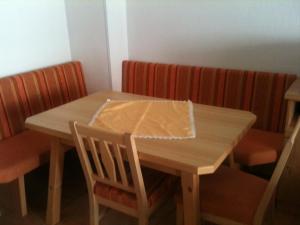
(20, 154)
(259, 147)
(231, 194)
(157, 185)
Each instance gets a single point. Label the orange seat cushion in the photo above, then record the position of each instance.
(20, 154)
(157, 185)
(259, 147)
(232, 194)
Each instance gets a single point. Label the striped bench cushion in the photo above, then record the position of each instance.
(22, 153)
(29, 93)
(259, 92)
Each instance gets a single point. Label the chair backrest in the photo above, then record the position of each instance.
(264, 203)
(109, 154)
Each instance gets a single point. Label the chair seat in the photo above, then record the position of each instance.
(259, 147)
(157, 185)
(21, 153)
(231, 194)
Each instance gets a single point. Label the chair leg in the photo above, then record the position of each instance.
(179, 214)
(20, 195)
(103, 210)
(143, 220)
(94, 211)
(272, 209)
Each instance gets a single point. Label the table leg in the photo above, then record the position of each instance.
(190, 192)
(55, 182)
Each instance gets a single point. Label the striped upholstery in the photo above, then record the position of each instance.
(259, 92)
(29, 93)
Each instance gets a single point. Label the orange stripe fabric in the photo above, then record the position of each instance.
(72, 82)
(234, 89)
(18, 85)
(140, 85)
(160, 81)
(172, 81)
(220, 88)
(80, 77)
(262, 99)
(183, 82)
(248, 91)
(259, 92)
(29, 93)
(43, 89)
(207, 86)
(53, 88)
(33, 93)
(195, 84)
(12, 109)
(5, 128)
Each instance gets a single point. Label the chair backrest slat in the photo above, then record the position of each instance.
(108, 161)
(261, 210)
(119, 159)
(109, 154)
(95, 156)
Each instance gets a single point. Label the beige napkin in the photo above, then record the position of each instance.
(147, 118)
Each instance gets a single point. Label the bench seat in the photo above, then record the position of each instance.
(20, 154)
(259, 147)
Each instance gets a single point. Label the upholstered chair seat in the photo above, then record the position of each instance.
(157, 184)
(238, 196)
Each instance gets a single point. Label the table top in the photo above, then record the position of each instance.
(218, 130)
(293, 93)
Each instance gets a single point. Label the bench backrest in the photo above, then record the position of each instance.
(259, 92)
(32, 92)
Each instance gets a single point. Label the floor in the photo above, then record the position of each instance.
(75, 203)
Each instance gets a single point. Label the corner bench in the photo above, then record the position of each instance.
(24, 95)
(259, 92)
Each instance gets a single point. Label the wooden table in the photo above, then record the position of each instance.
(218, 130)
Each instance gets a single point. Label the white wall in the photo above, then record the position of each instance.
(33, 34)
(117, 39)
(88, 41)
(249, 34)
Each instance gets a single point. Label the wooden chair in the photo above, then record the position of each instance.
(232, 197)
(114, 175)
